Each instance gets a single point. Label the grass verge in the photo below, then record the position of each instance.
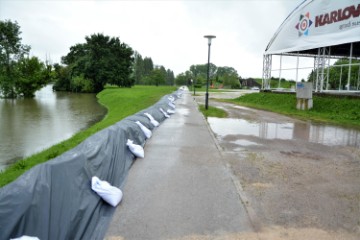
(213, 112)
(341, 111)
(120, 103)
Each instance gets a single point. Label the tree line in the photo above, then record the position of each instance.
(339, 74)
(145, 73)
(223, 77)
(102, 60)
(88, 66)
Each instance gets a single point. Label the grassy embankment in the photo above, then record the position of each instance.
(330, 109)
(120, 103)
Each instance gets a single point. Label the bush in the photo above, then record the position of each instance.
(81, 84)
(235, 85)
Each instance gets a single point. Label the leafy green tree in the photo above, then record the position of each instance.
(148, 66)
(181, 79)
(338, 75)
(144, 72)
(200, 81)
(230, 71)
(159, 76)
(226, 76)
(11, 50)
(31, 76)
(138, 69)
(80, 84)
(162, 79)
(170, 78)
(101, 60)
(62, 76)
(146, 80)
(195, 71)
(231, 80)
(200, 70)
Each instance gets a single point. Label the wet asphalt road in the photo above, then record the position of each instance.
(181, 189)
(254, 175)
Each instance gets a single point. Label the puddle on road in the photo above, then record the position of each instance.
(183, 111)
(245, 143)
(323, 134)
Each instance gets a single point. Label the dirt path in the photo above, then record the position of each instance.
(298, 180)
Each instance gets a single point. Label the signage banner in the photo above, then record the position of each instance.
(317, 23)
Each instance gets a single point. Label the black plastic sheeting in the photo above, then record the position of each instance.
(54, 200)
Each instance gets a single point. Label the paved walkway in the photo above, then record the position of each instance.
(182, 188)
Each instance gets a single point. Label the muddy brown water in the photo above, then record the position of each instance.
(305, 131)
(28, 126)
(299, 179)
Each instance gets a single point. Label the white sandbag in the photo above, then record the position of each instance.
(163, 112)
(110, 194)
(152, 120)
(171, 98)
(137, 150)
(144, 129)
(25, 238)
(170, 111)
(171, 105)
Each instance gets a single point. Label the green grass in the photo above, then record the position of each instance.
(213, 112)
(120, 103)
(342, 111)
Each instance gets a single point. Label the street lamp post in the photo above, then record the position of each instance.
(209, 37)
(192, 83)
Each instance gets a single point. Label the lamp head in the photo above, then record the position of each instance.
(209, 37)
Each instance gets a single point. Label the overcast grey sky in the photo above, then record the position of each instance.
(170, 32)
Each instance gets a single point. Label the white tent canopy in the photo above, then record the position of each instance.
(322, 29)
(317, 23)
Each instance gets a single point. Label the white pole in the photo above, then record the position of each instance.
(280, 71)
(317, 71)
(350, 62)
(328, 70)
(340, 78)
(297, 69)
(322, 69)
(358, 81)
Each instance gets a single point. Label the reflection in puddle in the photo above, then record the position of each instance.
(323, 134)
(183, 111)
(243, 142)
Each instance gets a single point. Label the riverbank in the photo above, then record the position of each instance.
(28, 126)
(120, 103)
(341, 111)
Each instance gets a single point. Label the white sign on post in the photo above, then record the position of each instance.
(304, 99)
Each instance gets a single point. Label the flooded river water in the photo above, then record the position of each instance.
(28, 126)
